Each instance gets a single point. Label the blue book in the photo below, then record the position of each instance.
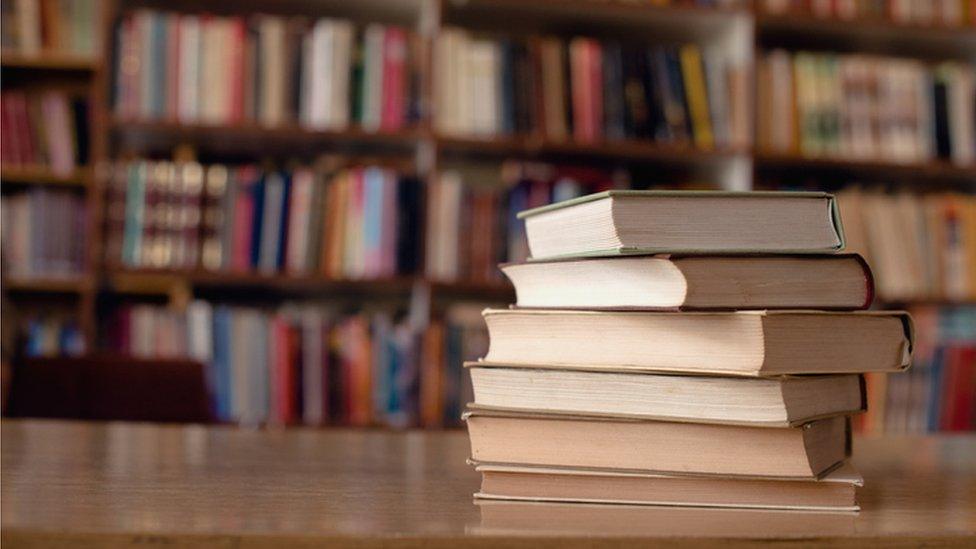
(220, 364)
(283, 220)
(933, 413)
(135, 213)
(35, 338)
(70, 342)
(258, 192)
(271, 220)
(373, 183)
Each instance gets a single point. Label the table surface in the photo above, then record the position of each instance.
(120, 484)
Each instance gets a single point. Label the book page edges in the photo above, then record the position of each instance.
(666, 193)
(844, 474)
(854, 509)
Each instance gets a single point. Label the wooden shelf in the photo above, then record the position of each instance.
(52, 285)
(48, 62)
(628, 149)
(40, 175)
(591, 12)
(940, 170)
(867, 34)
(160, 281)
(289, 132)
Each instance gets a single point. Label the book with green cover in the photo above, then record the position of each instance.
(690, 222)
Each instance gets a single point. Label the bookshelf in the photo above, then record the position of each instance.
(62, 62)
(49, 62)
(421, 148)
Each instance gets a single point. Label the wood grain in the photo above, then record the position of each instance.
(119, 485)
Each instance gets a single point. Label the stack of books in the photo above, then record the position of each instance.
(681, 348)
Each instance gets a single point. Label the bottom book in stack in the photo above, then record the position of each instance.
(624, 438)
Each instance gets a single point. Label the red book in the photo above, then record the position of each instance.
(123, 333)
(394, 72)
(964, 390)
(243, 219)
(236, 69)
(21, 122)
(280, 370)
(8, 143)
(293, 365)
(950, 384)
(326, 365)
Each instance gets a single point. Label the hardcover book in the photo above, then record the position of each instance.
(644, 222)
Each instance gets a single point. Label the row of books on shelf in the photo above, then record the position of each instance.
(588, 91)
(939, 392)
(932, 12)
(304, 364)
(69, 27)
(47, 130)
(43, 233)
(266, 69)
(341, 222)
(50, 335)
(359, 222)
(921, 246)
(866, 107)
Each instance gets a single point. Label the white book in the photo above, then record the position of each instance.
(320, 97)
(274, 194)
(148, 86)
(372, 96)
(199, 331)
(451, 192)
(717, 80)
(482, 74)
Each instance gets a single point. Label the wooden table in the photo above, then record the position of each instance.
(110, 485)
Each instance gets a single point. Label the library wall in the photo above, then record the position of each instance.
(311, 198)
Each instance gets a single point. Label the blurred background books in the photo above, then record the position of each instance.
(310, 198)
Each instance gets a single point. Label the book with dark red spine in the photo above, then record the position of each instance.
(394, 82)
(21, 119)
(243, 219)
(579, 89)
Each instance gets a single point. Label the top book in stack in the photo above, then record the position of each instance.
(647, 222)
